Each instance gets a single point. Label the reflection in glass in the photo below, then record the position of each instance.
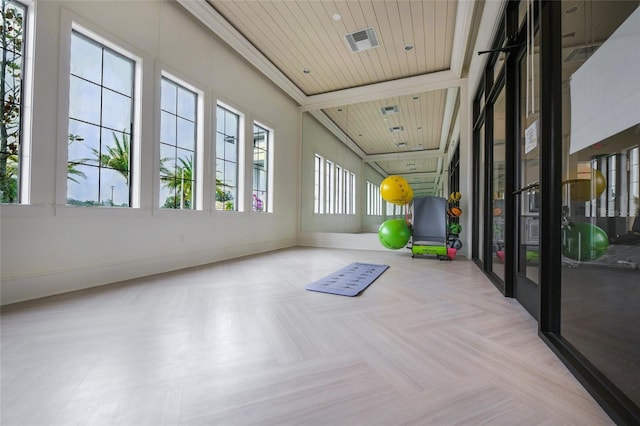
(498, 185)
(600, 215)
(529, 151)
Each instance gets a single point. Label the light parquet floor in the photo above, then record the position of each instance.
(241, 342)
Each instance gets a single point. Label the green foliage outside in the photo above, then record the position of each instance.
(11, 33)
(222, 196)
(115, 157)
(180, 182)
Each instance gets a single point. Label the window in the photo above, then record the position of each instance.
(391, 209)
(317, 186)
(101, 106)
(345, 192)
(352, 191)
(261, 168)
(374, 200)
(227, 156)
(339, 190)
(335, 188)
(11, 86)
(330, 188)
(611, 186)
(634, 182)
(178, 142)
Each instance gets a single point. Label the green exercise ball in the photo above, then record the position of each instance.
(584, 241)
(394, 234)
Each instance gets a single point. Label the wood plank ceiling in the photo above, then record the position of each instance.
(305, 43)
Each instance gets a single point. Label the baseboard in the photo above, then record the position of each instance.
(360, 241)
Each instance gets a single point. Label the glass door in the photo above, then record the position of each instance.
(527, 184)
(600, 235)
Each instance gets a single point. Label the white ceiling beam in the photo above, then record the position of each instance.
(408, 155)
(372, 92)
(411, 175)
(464, 18)
(449, 108)
(216, 23)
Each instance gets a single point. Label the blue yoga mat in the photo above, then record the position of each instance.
(350, 280)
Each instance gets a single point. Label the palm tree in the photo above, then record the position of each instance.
(180, 182)
(116, 157)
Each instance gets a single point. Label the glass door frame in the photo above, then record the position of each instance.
(525, 290)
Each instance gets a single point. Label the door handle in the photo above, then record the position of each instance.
(526, 188)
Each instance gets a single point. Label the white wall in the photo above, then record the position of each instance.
(48, 247)
(317, 139)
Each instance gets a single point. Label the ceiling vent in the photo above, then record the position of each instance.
(581, 53)
(388, 110)
(396, 129)
(362, 40)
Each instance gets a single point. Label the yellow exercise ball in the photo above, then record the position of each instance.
(587, 189)
(396, 190)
